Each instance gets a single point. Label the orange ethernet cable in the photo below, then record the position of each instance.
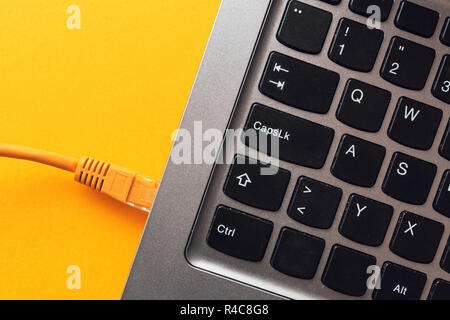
(121, 184)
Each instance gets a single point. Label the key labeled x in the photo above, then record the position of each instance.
(410, 228)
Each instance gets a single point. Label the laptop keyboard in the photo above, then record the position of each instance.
(363, 106)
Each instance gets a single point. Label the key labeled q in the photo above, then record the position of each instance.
(357, 96)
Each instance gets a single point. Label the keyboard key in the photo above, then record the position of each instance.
(297, 254)
(407, 64)
(441, 86)
(334, 2)
(239, 234)
(445, 35)
(314, 203)
(298, 84)
(409, 179)
(416, 238)
(416, 19)
(358, 161)
(363, 106)
(440, 290)
(399, 283)
(256, 184)
(304, 28)
(414, 124)
(442, 201)
(445, 261)
(365, 220)
(299, 141)
(362, 7)
(444, 148)
(355, 46)
(346, 271)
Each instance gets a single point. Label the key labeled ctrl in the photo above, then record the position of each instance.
(239, 234)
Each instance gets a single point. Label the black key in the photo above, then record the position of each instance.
(399, 283)
(297, 254)
(445, 35)
(444, 148)
(409, 179)
(346, 270)
(304, 28)
(239, 234)
(365, 220)
(445, 261)
(334, 2)
(299, 84)
(358, 161)
(414, 124)
(355, 46)
(407, 64)
(362, 7)
(442, 201)
(416, 19)
(416, 238)
(440, 290)
(256, 184)
(441, 86)
(363, 106)
(314, 203)
(299, 141)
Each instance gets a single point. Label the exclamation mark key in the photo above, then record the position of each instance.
(298, 84)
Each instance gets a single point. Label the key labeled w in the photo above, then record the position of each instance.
(411, 113)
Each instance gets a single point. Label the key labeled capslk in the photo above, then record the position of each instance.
(298, 140)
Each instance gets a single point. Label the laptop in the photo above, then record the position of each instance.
(349, 197)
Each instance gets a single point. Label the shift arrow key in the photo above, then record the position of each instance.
(256, 184)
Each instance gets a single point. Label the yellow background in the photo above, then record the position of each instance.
(115, 89)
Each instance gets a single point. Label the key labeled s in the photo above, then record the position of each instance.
(402, 169)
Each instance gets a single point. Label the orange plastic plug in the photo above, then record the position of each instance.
(119, 183)
(122, 184)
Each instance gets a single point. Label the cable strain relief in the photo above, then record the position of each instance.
(91, 172)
